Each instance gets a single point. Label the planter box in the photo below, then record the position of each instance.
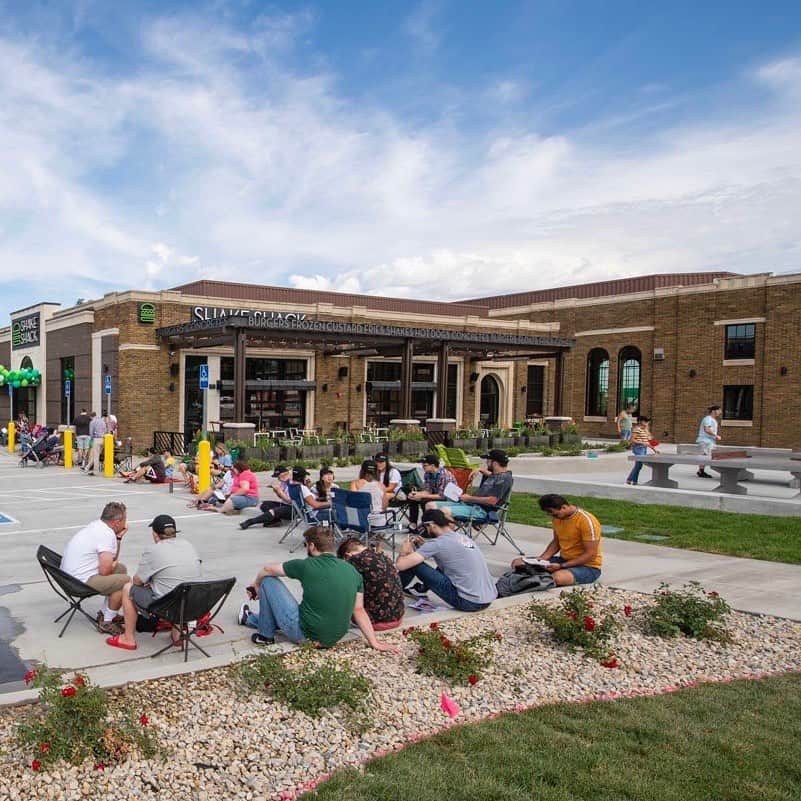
(317, 452)
(482, 444)
(466, 444)
(250, 453)
(289, 453)
(502, 442)
(571, 439)
(391, 448)
(341, 450)
(414, 448)
(366, 449)
(539, 439)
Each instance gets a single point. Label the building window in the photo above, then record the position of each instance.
(628, 377)
(67, 404)
(597, 401)
(193, 395)
(740, 341)
(453, 391)
(738, 402)
(383, 391)
(535, 386)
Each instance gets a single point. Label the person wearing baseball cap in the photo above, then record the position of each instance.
(493, 491)
(273, 512)
(379, 497)
(162, 567)
(462, 578)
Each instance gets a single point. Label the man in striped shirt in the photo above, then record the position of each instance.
(576, 540)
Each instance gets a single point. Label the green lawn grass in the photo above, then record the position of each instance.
(777, 539)
(727, 742)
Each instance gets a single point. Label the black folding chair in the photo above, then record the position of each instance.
(187, 603)
(72, 590)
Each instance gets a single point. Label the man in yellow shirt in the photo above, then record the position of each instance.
(577, 540)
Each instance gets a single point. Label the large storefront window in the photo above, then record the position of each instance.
(535, 390)
(597, 389)
(193, 395)
(24, 398)
(383, 392)
(268, 405)
(453, 391)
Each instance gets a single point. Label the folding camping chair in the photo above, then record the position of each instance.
(72, 590)
(351, 515)
(187, 603)
(492, 527)
(302, 514)
(410, 481)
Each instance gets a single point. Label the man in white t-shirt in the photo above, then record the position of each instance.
(92, 556)
(708, 436)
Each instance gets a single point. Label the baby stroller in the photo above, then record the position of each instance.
(46, 448)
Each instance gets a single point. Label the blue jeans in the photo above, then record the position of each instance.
(582, 574)
(439, 584)
(462, 511)
(277, 610)
(244, 501)
(625, 434)
(637, 450)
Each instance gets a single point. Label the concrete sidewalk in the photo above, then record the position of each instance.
(51, 504)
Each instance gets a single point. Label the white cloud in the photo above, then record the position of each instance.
(216, 158)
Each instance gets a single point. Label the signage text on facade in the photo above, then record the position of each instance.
(25, 332)
(217, 313)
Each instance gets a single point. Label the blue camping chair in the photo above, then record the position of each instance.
(351, 515)
(302, 514)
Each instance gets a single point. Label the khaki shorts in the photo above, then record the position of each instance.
(108, 585)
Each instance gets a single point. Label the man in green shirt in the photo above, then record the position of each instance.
(332, 593)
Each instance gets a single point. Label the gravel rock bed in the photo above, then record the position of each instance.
(223, 745)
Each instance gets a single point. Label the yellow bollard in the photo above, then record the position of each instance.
(12, 432)
(67, 449)
(203, 465)
(108, 455)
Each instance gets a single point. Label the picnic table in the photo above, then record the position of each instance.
(732, 471)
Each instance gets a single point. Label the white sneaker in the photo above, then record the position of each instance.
(242, 617)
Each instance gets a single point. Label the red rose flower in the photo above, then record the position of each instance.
(714, 594)
(610, 662)
(627, 611)
(590, 604)
(498, 636)
(446, 642)
(266, 684)
(36, 764)
(68, 692)
(100, 766)
(589, 624)
(80, 681)
(144, 721)
(434, 626)
(472, 679)
(571, 615)
(44, 748)
(30, 676)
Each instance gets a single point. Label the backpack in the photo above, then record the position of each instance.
(526, 578)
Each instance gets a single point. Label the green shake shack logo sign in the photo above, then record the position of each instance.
(147, 313)
(25, 332)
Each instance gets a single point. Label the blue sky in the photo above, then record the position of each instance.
(434, 149)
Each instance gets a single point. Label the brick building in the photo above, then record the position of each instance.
(671, 344)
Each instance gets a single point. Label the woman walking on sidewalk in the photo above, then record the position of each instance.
(640, 440)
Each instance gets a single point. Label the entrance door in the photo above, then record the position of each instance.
(490, 402)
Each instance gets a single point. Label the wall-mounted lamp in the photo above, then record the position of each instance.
(105, 368)
(782, 370)
(473, 377)
(358, 387)
(342, 372)
(472, 388)
(692, 373)
(523, 389)
(324, 387)
(175, 369)
(172, 353)
(172, 387)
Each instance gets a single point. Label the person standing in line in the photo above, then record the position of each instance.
(97, 430)
(708, 436)
(82, 439)
(624, 423)
(640, 440)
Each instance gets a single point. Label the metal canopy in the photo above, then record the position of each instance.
(361, 339)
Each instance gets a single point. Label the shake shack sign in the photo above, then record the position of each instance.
(25, 332)
(216, 313)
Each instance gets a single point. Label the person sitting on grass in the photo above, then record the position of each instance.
(383, 594)
(462, 578)
(244, 490)
(151, 469)
(333, 591)
(494, 490)
(273, 512)
(162, 568)
(576, 540)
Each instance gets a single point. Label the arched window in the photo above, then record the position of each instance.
(628, 378)
(597, 401)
